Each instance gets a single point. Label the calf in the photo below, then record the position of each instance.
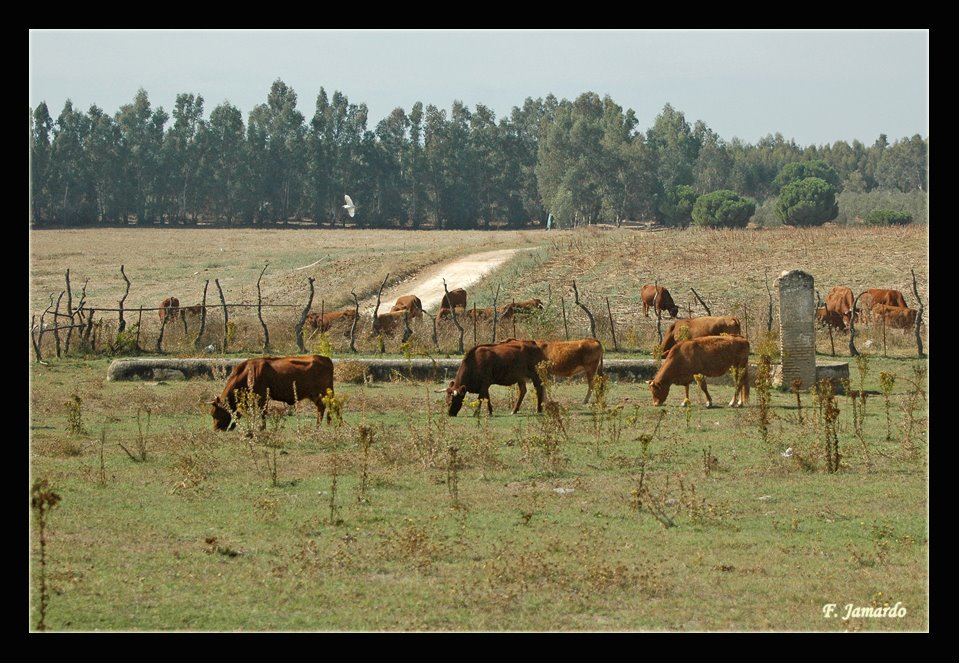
(897, 317)
(648, 293)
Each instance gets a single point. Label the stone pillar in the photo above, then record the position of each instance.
(797, 331)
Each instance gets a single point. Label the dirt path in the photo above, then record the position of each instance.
(428, 284)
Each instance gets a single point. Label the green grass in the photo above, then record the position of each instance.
(199, 538)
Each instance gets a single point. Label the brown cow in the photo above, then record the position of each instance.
(390, 322)
(409, 303)
(869, 298)
(826, 318)
(708, 356)
(507, 363)
(840, 301)
(170, 309)
(687, 328)
(454, 298)
(526, 305)
(897, 317)
(192, 311)
(343, 316)
(445, 313)
(569, 358)
(665, 303)
(283, 379)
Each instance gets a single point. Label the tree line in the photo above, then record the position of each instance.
(581, 161)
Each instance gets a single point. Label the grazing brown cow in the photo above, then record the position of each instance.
(502, 313)
(709, 356)
(826, 318)
(706, 325)
(897, 317)
(191, 311)
(445, 313)
(454, 298)
(170, 309)
(527, 306)
(665, 303)
(507, 363)
(344, 316)
(409, 303)
(569, 358)
(390, 322)
(283, 379)
(840, 301)
(884, 296)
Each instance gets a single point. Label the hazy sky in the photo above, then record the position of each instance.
(813, 87)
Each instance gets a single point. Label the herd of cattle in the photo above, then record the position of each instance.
(875, 304)
(706, 346)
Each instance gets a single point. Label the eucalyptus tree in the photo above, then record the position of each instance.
(183, 157)
(224, 165)
(72, 192)
(41, 126)
(277, 137)
(101, 146)
(141, 141)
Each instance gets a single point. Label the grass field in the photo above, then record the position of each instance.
(624, 517)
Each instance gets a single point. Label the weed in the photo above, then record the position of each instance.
(827, 420)
(452, 478)
(886, 382)
(42, 500)
(796, 389)
(913, 421)
(141, 445)
(366, 441)
(350, 372)
(766, 349)
(193, 461)
(334, 480)
(334, 406)
(75, 415)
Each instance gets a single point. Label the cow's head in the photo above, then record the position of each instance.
(222, 417)
(673, 310)
(454, 398)
(659, 391)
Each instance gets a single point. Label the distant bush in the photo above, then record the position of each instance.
(800, 170)
(856, 205)
(723, 209)
(807, 202)
(888, 217)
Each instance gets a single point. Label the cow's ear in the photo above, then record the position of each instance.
(649, 381)
(452, 382)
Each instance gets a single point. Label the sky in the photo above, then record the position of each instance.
(814, 87)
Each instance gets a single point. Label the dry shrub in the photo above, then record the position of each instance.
(350, 372)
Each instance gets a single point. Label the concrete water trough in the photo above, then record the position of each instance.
(435, 370)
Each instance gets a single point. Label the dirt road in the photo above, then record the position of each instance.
(428, 284)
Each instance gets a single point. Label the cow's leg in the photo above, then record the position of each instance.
(540, 391)
(484, 393)
(522, 393)
(589, 386)
(702, 385)
(686, 400)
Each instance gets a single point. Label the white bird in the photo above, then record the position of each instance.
(788, 453)
(349, 206)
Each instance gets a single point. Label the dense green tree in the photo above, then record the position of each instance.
(182, 152)
(141, 141)
(888, 217)
(675, 147)
(101, 146)
(798, 170)
(676, 205)
(904, 165)
(225, 165)
(713, 166)
(278, 153)
(807, 202)
(41, 126)
(71, 188)
(723, 209)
